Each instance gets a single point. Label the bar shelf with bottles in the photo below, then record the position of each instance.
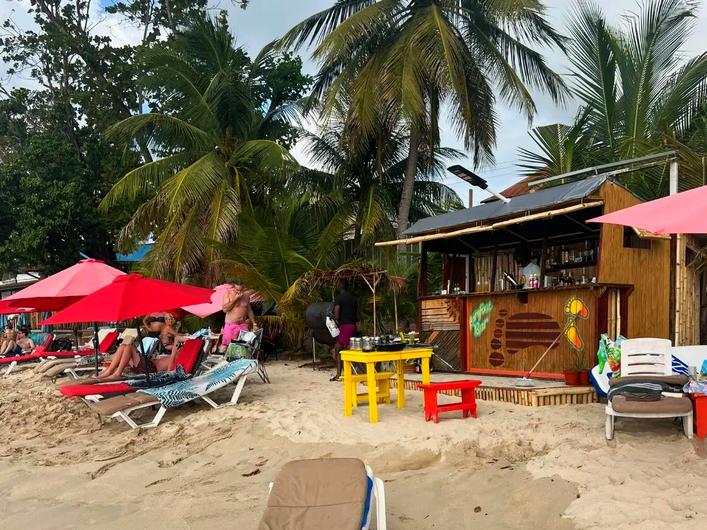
(570, 264)
(561, 265)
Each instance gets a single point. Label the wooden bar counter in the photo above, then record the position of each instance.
(507, 331)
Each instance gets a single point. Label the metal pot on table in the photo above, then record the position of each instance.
(368, 344)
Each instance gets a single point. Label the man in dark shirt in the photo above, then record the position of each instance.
(346, 316)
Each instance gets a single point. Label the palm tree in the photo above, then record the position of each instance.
(284, 243)
(410, 58)
(638, 96)
(211, 157)
(363, 183)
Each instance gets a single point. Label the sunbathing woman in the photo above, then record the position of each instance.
(154, 323)
(127, 355)
(9, 339)
(170, 337)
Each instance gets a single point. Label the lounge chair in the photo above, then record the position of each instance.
(54, 367)
(176, 394)
(324, 493)
(40, 352)
(251, 341)
(647, 363)
(188, 358)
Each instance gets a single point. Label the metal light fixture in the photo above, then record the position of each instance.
(475, 180)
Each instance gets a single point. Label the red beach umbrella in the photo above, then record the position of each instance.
(6, 308)
(216, 303)
(62, 289)
(130, 296)
(682, 213)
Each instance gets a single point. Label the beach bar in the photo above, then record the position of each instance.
(592, 279)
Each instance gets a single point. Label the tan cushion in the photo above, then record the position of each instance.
(106, 407)
(667, 405)
(322, 493)
(668, 379)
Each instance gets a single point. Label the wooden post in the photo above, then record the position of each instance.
(674, 170)
(395, 309)
(422, 277)
(492, 280)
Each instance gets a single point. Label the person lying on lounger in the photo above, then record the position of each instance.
(9, 339)
(127, 355)
(23, 344)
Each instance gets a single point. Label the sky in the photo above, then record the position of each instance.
(266, 20)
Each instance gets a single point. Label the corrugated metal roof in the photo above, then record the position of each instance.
(530, 202)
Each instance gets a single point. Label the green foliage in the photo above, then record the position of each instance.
(216, 126)
(407, 59)
(638, 97)
(49, 195)
(364, 183)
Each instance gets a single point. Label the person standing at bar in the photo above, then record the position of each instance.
(346, 317)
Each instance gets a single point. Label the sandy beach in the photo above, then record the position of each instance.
(513, 467)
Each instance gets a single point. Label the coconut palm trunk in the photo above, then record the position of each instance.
(408, 183)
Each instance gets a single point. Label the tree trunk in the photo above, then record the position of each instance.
(408, 183)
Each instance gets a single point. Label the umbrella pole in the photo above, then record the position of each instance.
(95, 343)
(141, 351)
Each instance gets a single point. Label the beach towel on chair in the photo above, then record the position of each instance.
(179, 393)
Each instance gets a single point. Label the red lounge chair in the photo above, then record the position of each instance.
(37, 354)
(54, 367)
(188, 358)
(106, 344)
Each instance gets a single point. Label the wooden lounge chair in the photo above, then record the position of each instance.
(324, 493)
(176, 394)
(645, 361)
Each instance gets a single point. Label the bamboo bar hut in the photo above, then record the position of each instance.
(593, 279)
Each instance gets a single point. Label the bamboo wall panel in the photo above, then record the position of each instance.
(507, 333)
(687, 295)
(648, 270)
(438, 314)
(447, 347)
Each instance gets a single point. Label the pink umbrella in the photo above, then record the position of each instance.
(682, 213)
(62, 289)
(216, 303)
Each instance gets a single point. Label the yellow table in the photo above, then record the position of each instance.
(369, 359)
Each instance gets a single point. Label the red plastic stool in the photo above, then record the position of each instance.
(699, 405)
(467, 389)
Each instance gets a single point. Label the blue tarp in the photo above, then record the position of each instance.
(138, 255)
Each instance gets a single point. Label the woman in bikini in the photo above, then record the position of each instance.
(154, 323)
(9, 339)
(127, 354)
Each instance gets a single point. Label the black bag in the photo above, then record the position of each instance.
(61, 345)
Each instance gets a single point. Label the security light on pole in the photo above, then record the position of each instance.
(475, 180)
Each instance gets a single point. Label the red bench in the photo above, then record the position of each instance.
(467, 389)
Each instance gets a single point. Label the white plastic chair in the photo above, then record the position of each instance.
(646, 357)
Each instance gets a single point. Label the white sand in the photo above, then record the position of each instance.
(513, 467)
